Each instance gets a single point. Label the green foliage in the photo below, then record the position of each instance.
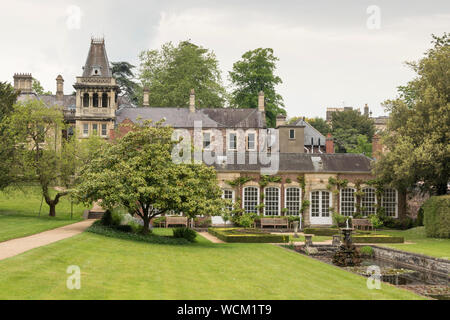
(366, 251)
(245, 220)
(336, 182)
(185, 233)
(39, 89)
(247, 236)
(171, 72)
(137, 173)
(377, 223)
(363, 146)
(239, 181)
(437, 217)
(264, 180)
(341, 220)
(418, 131)
(419, 220)
(255, 72)
(348, 126)
(320, 125)
(123, 73)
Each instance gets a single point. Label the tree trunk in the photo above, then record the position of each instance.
(52, 212)
(441, 189)
(146, 220)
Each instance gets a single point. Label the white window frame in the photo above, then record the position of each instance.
(299, 200)
(279, 201)
(396, 203)
(290, 131)
(203, 140)
(106, 129)
(340, 201)
(85, 128)
(374, 211)
(229, 140)
(95, 131)
(254, 141)
(244, 200)
(232, 197)
(330, 202)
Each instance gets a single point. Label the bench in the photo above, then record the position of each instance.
(274, 222)
(362, 224)
(176, 221)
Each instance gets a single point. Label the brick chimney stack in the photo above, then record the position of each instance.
(366, 110)
(329, 144)
(192, 101)
(146, 100)
(281, 120)
(59, 88)
(23, 82)
(261, 101)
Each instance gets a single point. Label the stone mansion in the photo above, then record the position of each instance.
(306, 158)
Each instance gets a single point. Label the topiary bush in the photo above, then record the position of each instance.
(419, 220)
(436, 219)
(106, 219)
(185, 233)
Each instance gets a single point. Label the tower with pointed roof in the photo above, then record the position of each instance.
(96, 93)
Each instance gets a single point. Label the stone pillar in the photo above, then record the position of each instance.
(261, 101)
(91, 99)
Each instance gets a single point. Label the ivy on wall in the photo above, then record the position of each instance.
(239, 181)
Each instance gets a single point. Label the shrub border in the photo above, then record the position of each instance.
(247, 238)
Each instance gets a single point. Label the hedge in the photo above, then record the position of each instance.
(436, 217)
(377, 239)
(322, 231)
(227, 235)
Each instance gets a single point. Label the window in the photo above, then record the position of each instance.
(320, 204)
(291, 134)
(95, 100)
(232, 141)
(292, 201)
(228, 195)
(389, 202)
(272, 201)
(104, 129)
(95, 128)
(206, 140)
(85, 129)
(105, 100)
(251, 199)
(368, 201)
(86, 100)
(347, 202)
(251, 141)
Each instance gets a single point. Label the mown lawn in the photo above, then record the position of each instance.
(122, 269)
(19, 213)
(439, 248)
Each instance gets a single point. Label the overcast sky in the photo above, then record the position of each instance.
(331, 52)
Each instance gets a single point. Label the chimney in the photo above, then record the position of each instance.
(146, 99)
(23, 82)
(59, 88)
(192, 101)
(366, 110)
(261, 101)
(281, 120)
(329, 144)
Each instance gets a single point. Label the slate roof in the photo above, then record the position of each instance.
(303, 162)
(68, 101)
(183, 118)
(97, 58)
(311, 133)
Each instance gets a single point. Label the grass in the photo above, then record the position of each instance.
(122, 269)
(434, 247)
(19, 213)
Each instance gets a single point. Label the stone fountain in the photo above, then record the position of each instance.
(347, 255)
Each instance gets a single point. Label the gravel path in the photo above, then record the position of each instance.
(14, 247)
(210, 237)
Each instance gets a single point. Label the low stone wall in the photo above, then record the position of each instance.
(438, 266)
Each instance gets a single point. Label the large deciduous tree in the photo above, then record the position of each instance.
(40, 153)
(136, 171)
(38, 88)
(347, 125)
(255, 72)
(122, 71)
(172, 71)
(418, 132)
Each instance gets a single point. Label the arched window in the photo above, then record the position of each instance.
(251, 199)
(105, 100)
(95, 100)
(292, 201)
(272, 201)
(368, 201)
(86, 100)
(348, 202)
(389, 202)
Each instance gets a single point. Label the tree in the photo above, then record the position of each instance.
(363, 146)
(137, 172)
(8, 97)
(318, 123)
(347, 125)
(40, 154)
(171, 72)
(123, 73)
(418, 132)
(38, 88)
(255, 73)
